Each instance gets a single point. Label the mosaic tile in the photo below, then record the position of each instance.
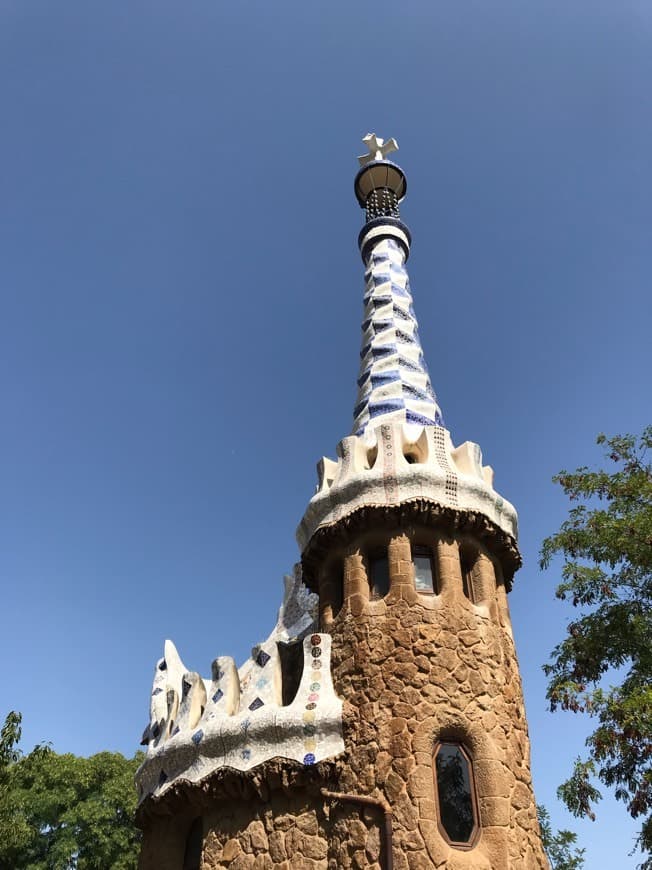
(262, 658)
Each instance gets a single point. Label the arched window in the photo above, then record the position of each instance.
(455, 789)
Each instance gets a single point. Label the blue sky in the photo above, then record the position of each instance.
(181, 295)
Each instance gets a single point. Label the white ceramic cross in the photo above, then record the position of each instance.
(378, 148)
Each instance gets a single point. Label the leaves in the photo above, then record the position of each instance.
(559, 846)
(606, 546)
(62, 811)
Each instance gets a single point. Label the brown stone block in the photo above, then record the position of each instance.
(242, 862)
(491, 780)
(405, 813)
(257, 836)
(419, 861)
(315, 848)
(494, 846)
(404, 766)
(400, 745)
(231, 849)
(522, 797)
(307, 823)
(494, 811)
(427, 810)
(437, 848)
(420, 782)
(372, 846)
(394, 786)
(277, 846)
(294, 842)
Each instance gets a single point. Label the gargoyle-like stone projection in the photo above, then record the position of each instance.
(279, 704)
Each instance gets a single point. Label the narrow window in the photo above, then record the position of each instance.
(467, 563)
(379, 576)
(194, 843)
(424, 570)
(337, 590)
(291, 656)
(456, 801)
(331, 592)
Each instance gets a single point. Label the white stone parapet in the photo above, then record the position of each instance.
(237, 719)
(394, 463)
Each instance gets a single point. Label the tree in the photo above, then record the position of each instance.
(64, 812)
(603, 666)
(559, 847)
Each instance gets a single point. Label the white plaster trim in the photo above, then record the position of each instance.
(188, 744)
(451, 477)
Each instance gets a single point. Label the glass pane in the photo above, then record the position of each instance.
(423, 573)
(454, 791)
(379, 577)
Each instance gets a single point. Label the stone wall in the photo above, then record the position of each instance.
(414, 669)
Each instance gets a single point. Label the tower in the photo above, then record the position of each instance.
(381, 724)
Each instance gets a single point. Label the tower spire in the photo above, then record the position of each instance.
(393, 384)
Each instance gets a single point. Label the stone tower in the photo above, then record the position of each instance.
(381, 724)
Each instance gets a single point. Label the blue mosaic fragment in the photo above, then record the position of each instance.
(412, 417)
(415, 392)
(197, 736)
(405, 336)
(382, 378)
(386, 407)
(406, 363)
(256, 704)
(309, 758)
(217, 696)
(157, 691)
(383, 350)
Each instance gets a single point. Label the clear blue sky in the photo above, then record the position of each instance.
(181, 298)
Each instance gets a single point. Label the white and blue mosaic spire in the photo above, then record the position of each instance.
(394, 384)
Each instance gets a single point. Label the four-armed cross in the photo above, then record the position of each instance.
(378, 148)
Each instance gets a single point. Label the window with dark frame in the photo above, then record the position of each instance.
(456, 799)
(467, 563)
(379, 575)
(425, 580)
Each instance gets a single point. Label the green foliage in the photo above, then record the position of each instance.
(606, 543)
(560, 846)
(63, 812)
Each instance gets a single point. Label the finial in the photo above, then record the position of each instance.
(378, 148)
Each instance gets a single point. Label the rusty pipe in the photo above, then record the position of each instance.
(367, 801)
